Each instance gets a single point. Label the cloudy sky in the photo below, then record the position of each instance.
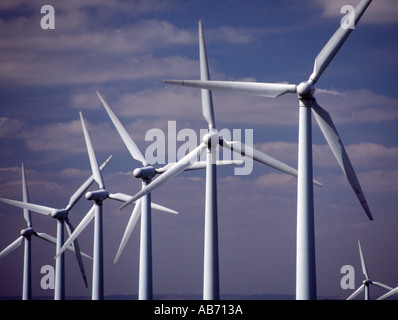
(126, 49)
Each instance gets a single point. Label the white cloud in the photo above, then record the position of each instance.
(277, 181)
(363, 155)
(379, 11)
(381, 181)
(10, 127)
(358, 106)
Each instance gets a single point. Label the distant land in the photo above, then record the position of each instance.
(184, 297)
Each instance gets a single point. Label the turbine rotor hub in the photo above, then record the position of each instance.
(27, 233)
(145, 173)
(306, 89)
(367, 282)
(211, 139)
(59, 214)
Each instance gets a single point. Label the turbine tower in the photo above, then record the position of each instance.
(211, 140)
(305, 264)
(26, 235)
(367, 282)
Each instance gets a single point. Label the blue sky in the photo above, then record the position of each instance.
(125, 49)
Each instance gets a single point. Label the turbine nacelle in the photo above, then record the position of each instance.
(211, 139)
(27, 233)
(145, 173)
(367, 282)
(98, 196)
(60, 214)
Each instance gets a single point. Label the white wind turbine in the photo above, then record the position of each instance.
(305, 265)
(146, 174)
(62, 220)
(26, 235)
(143, 208)
(96, 211)
(367, 282)
(210, 142)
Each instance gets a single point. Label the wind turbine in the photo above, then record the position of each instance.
(96, 211)
(367, 282)
(62, 220)
(305, 265)
(210, 142)
(146, 174)
(26, 236)
(143, 207)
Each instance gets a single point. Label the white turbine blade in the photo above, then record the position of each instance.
(84, 187)
(93, 160)
(46, 237)
(129, 229)
(180, 166)
(122, 197)
(329, 130)
(388, 294)
(128, 141)
(382, 285)
(25, 198)
(261, 157)
(201, 165)
(125, 197)
(17, 243)
(363, 264)
(162, 208)
(358, 291)
(78, 254)
(269, 90)
(220, 163)
(82, 225)
(29, 206)
(333, 46)
(75, 243)
(207, 99)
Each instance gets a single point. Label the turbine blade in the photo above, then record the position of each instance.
(388, 294)
(358, 291)
(180, 166)
(46, 237)
(93, 160)
(162, 208)
(125, 197)
(333, 46)
(382, 285)
(29, 206)
(10, 248)
(82, 225)
(219, 163)
(329, 130)
(363, 264)
(269, 90)
(25, 198)
(84, 187)
(128, 141)
(207, 99)
(129, 229)
(122, 197)
(78, 254)
(261, 157)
